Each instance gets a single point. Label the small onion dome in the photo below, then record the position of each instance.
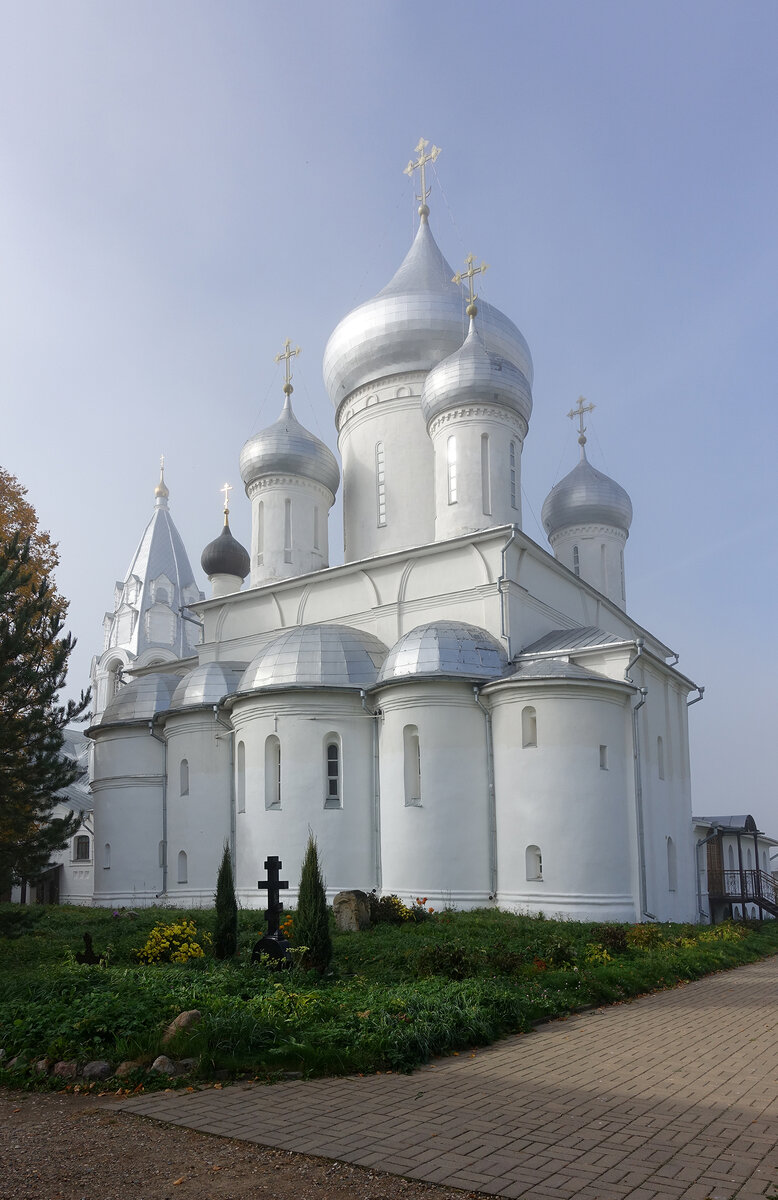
(445, 648)
(417, 320)
(586, 497)
(207, 684)
(287, 448)
(141, 699)
(225, 555)
(473, 375)
(316, 656)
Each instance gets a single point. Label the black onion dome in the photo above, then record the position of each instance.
(225, 556)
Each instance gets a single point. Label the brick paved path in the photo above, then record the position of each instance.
(674, 1095)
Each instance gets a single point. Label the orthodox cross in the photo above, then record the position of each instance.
(579, 410)
(226, 489)
(420, 164)
(469, 275)
(287, 354)
(273, 885)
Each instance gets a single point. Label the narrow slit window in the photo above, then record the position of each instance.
(412, 762)
(332, 794)
(184, 778)
(621, 570)
(287, 531)
(451, 463)
(182, 867)
(261, 532)
(534, 862)
(316, 527)
(241, 777)
(576, 561)
(272, 772)
(513, 474)
(672, 866)
(529, 727)
(660, 757)
(603, 758)
(380, 484)
(107, 856)
(486, 484)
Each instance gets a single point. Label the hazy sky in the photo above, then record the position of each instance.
(184, 185)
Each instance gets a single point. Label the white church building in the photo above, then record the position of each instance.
(455, 711)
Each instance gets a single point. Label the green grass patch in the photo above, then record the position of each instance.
(396, 994)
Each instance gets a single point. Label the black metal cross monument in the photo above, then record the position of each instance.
(273, 885)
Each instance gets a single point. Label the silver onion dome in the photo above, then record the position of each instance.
(413, 323)
(207, 684)
(287, 448)
(225, 555)
(141, 699)
(316, 656)
(445, 648)
(586, 497)
(473, 375)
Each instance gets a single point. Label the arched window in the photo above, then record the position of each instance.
(81, 848)
(529, 727)
(316, 527)
(672, 866)
(451, 464)
(272, 772)
(107, 856)
(184, 778)
(333, 796)
(241, 777)
(764, 860)
(621, 570)
(576, 561)
(287, 531)
(512, 460)
(260, 532)
(730, 858)
(182, 867)
(380, 484)
(603, 758)
(660, 757)
(534, 862)
(412, 765)
(486, 483)
(114, 680)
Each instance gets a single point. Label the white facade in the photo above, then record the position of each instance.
(453, 712)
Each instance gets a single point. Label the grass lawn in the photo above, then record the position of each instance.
(395, 994)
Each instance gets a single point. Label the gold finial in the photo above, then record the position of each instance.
(287, 354)
(469, 275)
(421, 163)
(579, 410)
(161, 491)
(226, 489)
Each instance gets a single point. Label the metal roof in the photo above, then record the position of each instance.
(586, 497)
(581, 637)
(316, 656)
(556, 668)
(286, 447)
(207, 684)
(141, 699)
(471, 375)
(446, 649)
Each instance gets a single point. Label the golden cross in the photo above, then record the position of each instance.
(469, 275)
(287, 354)
(579, 410)
(226, 489)
(421, 163)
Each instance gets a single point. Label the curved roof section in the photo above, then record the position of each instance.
(446, 649)
(557, 668)
(332, 656)
(141, 699)
(413, 323)
(474, 376)
(207, 684)
(225, 555)
(287, 448)
(586, 497)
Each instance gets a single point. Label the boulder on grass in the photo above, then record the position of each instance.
(66, 1069)
(97, 1069)
(163, 1065)
(127, 1067)
(352, 911)
(183, 1021)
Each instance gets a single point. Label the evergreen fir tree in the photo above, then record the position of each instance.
(312, 925)
(33, 666)
(225, 940)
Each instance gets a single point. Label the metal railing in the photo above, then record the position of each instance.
(746, 885)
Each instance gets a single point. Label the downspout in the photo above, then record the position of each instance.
(501, 582)
(697, 698)
(164, 809)
(639, 803)
(376, 792)
(492, 803)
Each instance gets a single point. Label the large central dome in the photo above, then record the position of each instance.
(413, 323)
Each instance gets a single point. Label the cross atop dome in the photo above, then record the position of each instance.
(579, 410)
(287, 354)
(227, 488)
(419, 165)
(469, 275)
(161, 490)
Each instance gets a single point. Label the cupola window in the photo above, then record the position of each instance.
(332, 795)
(514, 504)
(412, 761)
(486, 483)
(272, 772)
(380, 484)
(260, 532)
(529, 727)
(451, 463)
(287, 531)
(576, 561)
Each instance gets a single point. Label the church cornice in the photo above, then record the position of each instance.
(399, 391)
(479, 412)
(267, 482)
(568, 531)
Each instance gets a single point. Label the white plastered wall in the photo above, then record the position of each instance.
(282, 546)
(483, 486)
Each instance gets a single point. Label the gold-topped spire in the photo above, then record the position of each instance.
(287, 354)
(226, 489)
(161, 491)
(579, 410)
(470, 275)
(420, 164)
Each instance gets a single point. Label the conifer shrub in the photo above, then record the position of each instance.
(312, 923)
(225, 938)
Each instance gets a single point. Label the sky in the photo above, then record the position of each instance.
(187, 184)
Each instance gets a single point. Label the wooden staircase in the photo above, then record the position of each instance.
(744, 887)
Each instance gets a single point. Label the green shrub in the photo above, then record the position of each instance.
(613, 938)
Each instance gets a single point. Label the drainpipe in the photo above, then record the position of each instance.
(154, 734)
(639, 799)
(376, 792)
(697, 698)
(501, 583)
(700, 843)
(491, 793)
(639, 644)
